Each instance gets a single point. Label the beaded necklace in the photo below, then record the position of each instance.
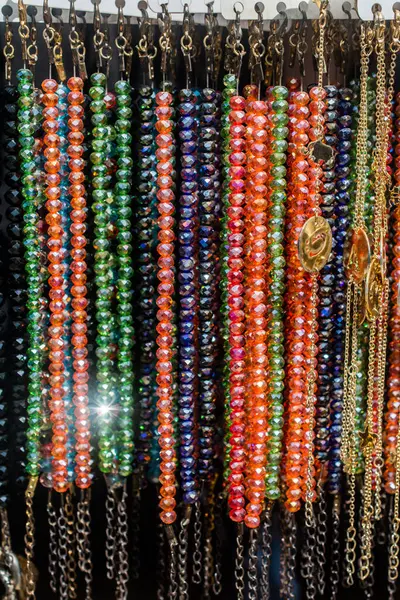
(146, 233)
(16, 385)
(277, 147)
(326, 309)
(188, 293)
(209, 205)
(342, 221)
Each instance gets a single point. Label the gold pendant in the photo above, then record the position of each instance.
(368, 440)
(362, 307)
(315, 244)
(357, 254)
(374, 288)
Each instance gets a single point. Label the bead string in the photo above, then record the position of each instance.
(147, 453)
(123, 202)
(295, 337)
(102, 194)
(166, 378)
(209, 209)
(341, 225)
(228, 91)
(78, 268)
(235, 307)
(188, 294)
(277, 147)
(16, 366)
(326, 308)
(255, 305)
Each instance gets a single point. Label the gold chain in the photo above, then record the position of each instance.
(29, 539)
(377, 291)
(353, 307)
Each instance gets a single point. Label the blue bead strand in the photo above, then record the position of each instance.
(146, 234)
(325, 328)
(188, 294)
(209, 209)
(341, 225)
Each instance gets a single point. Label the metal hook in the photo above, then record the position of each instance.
(72, 15)
(281, 7)
(57, 14)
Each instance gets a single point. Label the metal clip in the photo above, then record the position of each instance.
(8, 50)
(23, 29)
(165, 41)
(257, 47)
(32, 50)
(78, 49)
(146, 49)
(187, 43)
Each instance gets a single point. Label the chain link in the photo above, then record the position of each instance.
(239, 563)
(122, 541)
(197, 553)
(63, 552)
(266, 551)
(160, 574)
(52, 520)
(183, 557)
(29, 540)
(71, 559)
(335, 555)
(321, 537)
(111, 505)
(252, 565)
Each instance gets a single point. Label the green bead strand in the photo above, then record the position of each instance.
(123, 203)
(103, 268)
(26, 129)
(230, 87)
(278, 120)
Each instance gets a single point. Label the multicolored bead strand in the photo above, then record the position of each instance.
(17, 367)
(78, 267)
(209, 212)
(102, 194)
(26, 128)
(392, 411)
(145, 230)
(326, 304)
(277, 147)
(296, 326)
(256, 309)
(235, 308)
(188, 319)
(166, 378)
(228, 91)
(340, 228)
(123, 202)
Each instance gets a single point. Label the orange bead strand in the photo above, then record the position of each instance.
(77, 193)
(256, 307)
(165, 314)
(297, 291)
(56, 269)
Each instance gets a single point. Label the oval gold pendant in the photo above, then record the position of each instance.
(315, 244)
(357, 254)
(374, 288)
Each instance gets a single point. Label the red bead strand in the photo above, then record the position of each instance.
(235, 301)
(256, 307)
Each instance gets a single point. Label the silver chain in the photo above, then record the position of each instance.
(239, 563)
(122, 540)
(197, 554)
(53, 558)
(111, 541)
